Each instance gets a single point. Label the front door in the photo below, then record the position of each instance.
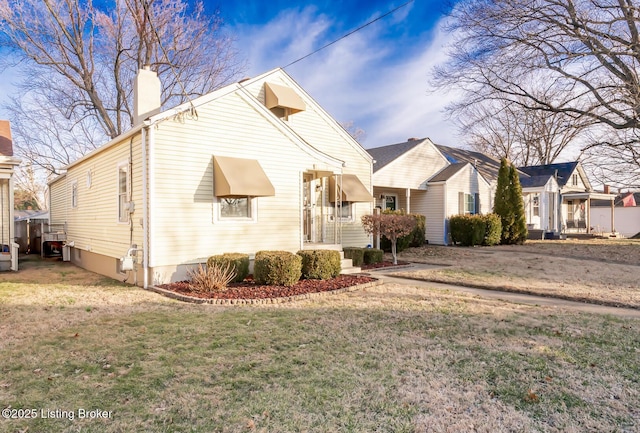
(312, 204)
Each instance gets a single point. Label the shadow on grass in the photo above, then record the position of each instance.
(33, 268)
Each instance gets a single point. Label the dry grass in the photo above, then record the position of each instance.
(600, 271)
(391, 358)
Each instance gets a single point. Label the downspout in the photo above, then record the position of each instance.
(152, 191)
(302, 209)
(145, 213)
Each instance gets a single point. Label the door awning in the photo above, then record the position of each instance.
(239, 177)
(353, 190)
(276, 95)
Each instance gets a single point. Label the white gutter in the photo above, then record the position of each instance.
(145, 212)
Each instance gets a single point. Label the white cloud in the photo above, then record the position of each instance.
(361, 78)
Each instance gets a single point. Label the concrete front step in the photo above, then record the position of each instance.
(351, 270)
(346, 266)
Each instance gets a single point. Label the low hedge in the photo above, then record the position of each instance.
(469, 230)
(277, 268)
(356, 254)
(373, 256)
(239, 263)
(320, 264)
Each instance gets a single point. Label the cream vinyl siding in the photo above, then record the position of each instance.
(315, 127)
(467, 181)
(57, 207)
(434, 214)
(93, 225)
(412, 169)
(183, 224)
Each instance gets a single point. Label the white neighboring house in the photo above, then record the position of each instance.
(8, 163)
(257, 165)
(420, 177)
(440, 181)
(575, 195)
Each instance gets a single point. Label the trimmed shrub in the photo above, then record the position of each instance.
(239, 264)
(277, 268)
(418, 233)
(469, 230)
(493, 229)
(373, 256)
(356, 255)
(320, 264)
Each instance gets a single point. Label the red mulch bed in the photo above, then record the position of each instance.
(248, 289)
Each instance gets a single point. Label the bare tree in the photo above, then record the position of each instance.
(78, 61)
(582, 55)
(505, 129)
(354, 131)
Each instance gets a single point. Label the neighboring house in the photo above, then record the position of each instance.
(575, 195)
(418, 177)
(440, 181)
(626, 219)
(8, 250)
(257, 165)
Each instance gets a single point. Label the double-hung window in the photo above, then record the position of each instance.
(74, 194)
(123, 193)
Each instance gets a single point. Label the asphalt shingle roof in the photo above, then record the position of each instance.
(385, 154)
(527, 181)
(447, 172)
(564, 170)
(486, 165)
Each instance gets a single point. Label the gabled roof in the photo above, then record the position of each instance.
(448, 172)
(564, 170)
(487, 166)
(386, 154)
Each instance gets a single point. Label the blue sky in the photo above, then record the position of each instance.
(376, 78)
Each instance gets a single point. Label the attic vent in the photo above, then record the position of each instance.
(282, 101)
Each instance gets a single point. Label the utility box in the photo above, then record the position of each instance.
(126, 263)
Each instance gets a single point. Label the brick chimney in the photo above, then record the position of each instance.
(606, 189)
(146, 95)
(6, 143)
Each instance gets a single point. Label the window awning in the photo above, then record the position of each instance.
(276, 95)
(239, 177)
(352, 189)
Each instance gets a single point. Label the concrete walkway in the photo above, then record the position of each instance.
(387, 276)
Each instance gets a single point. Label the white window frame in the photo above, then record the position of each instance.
(219, 219)
(344, 205)
(535, 205)
(574, 179)
(74, 194)
(123, 167)
(469, 199)
(384, 200)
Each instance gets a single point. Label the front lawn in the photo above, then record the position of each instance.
(390, 358)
